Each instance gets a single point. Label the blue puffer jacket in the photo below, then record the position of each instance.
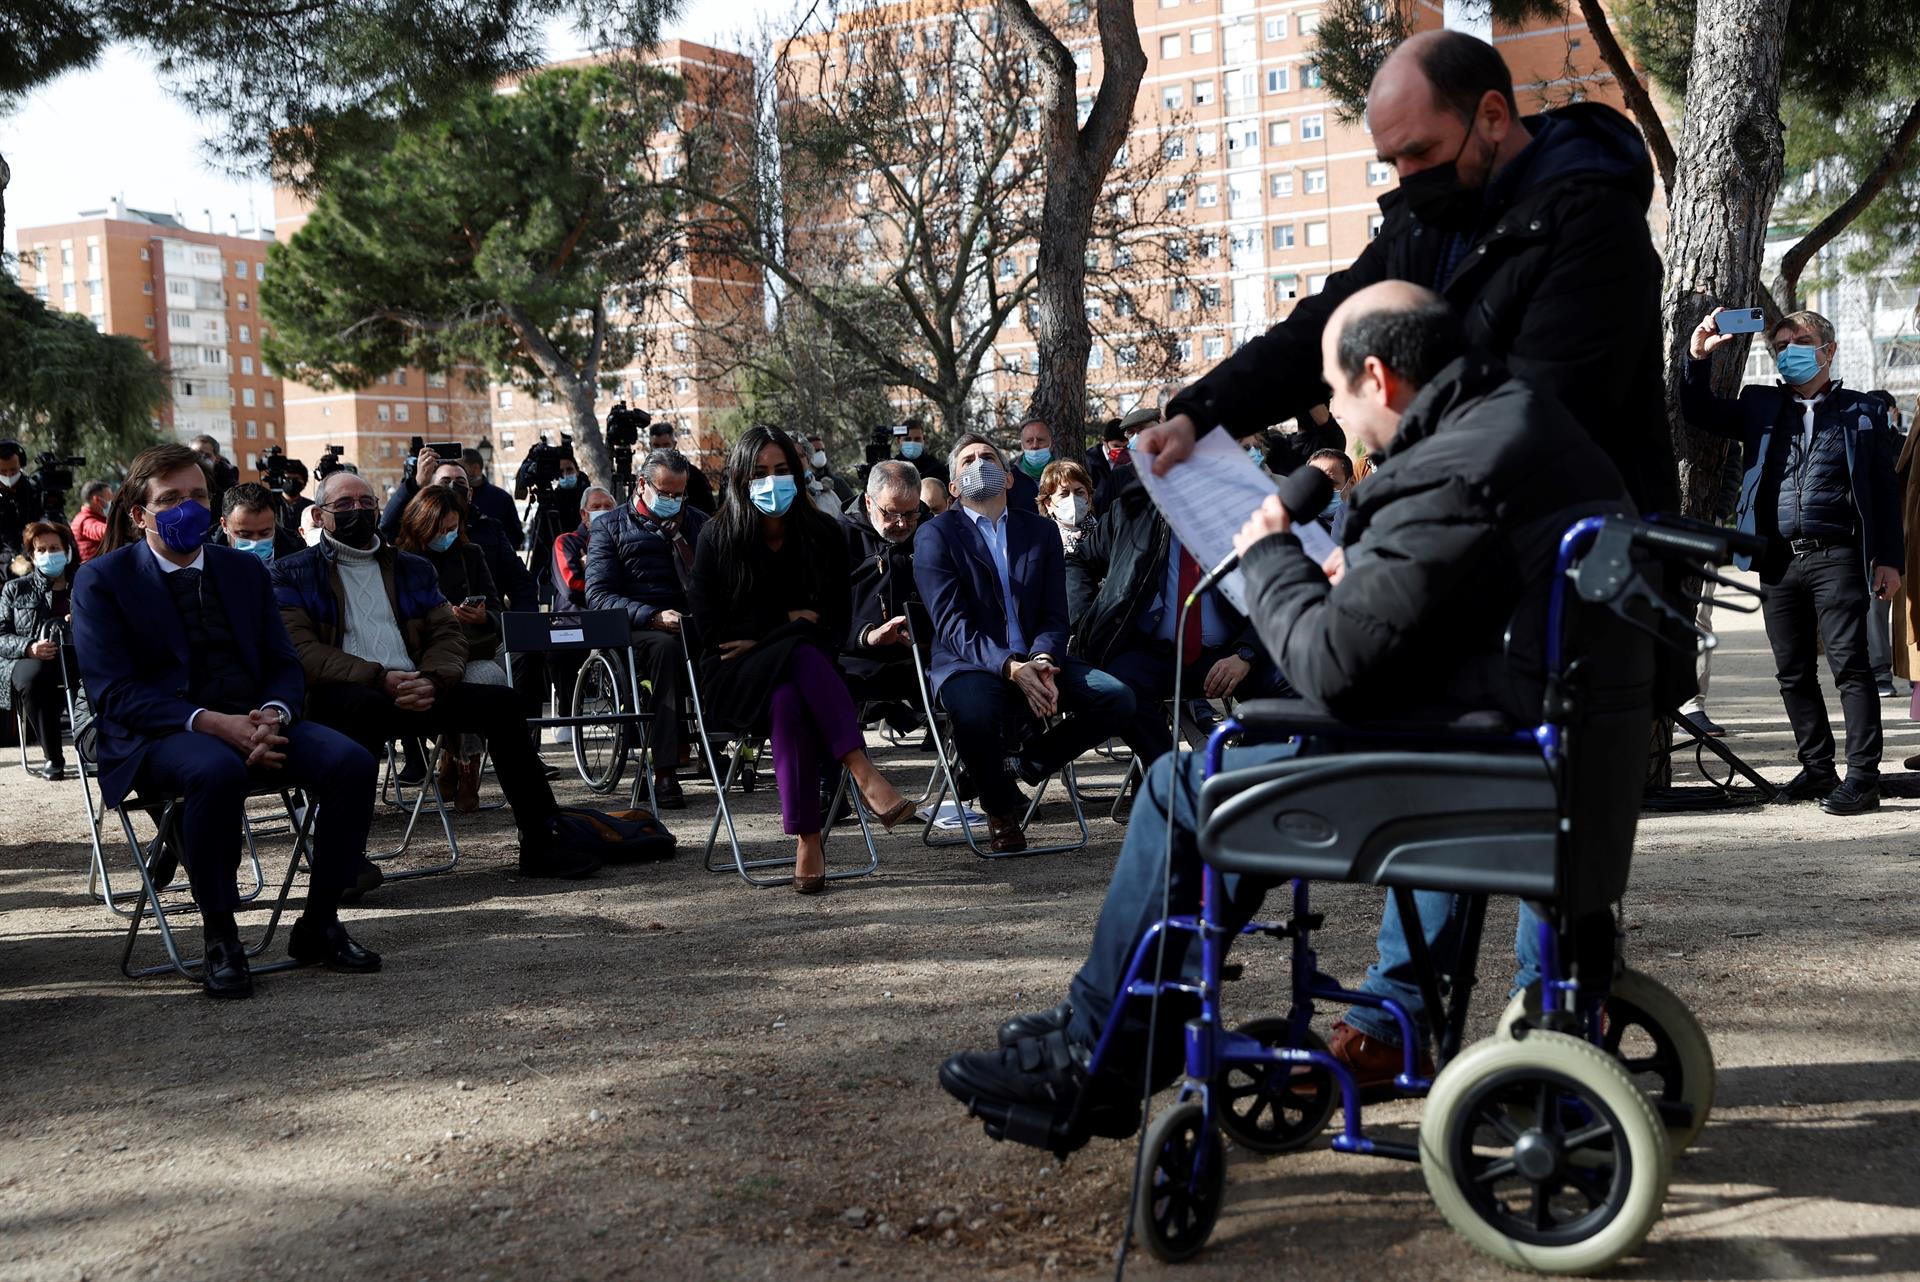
(307, 588)
(630, 564)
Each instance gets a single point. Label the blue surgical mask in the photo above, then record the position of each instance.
(773, 494)
(664, 506)
(596, 515)
(441, 542)
(1258, 456)
(1334, 504)
(911, 449)
(183, 527)
(1038, 458)
(51, 564)
(262, 548)
(1799, 364)
(1132, 439)
(568, 481)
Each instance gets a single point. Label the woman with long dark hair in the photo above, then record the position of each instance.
(770, 601)
(434, 525)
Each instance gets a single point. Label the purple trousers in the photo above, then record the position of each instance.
(812, 714)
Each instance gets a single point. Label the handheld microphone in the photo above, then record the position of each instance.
(1304, 492)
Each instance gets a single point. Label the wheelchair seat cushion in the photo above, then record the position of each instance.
(1454, 821)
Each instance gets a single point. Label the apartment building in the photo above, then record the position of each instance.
(191, 295)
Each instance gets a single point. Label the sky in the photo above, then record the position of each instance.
(113, 130)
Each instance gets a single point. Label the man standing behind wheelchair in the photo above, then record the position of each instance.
(640, 560)
(1449, 554)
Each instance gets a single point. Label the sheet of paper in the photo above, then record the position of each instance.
(1207, 498)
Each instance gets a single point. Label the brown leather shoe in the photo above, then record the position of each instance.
(1373, 1063)
(467, 791)
(1004, 835)
(449, 777)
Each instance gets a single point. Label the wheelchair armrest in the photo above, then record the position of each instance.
(1281, 717)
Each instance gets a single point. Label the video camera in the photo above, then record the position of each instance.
(276, 469)
(623, 438)
(53, 478)
(880, 446)
(542, 466)
(329, 461)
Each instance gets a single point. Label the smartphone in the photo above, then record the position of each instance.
(474, 600)
(449, 451)
(1741, 320)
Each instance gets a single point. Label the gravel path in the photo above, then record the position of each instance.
(664, 1074)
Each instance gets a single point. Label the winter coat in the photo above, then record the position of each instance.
(89, 528)
(1449, 546)
(1560, 283)
(462, 571)
(500, 543)
(26, 603)
(737, 693)
(307, 588)
(881, 587)
(630, 564)
(20, 504)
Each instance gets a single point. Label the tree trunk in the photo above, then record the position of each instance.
(1078, 159)
(1730, 161)
(6, 179)
(1891, 163)
(576, 387)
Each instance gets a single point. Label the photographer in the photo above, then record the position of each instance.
(913, 449)
(90, 522)
(552, 476)
(35, 616)
(20, 500)
(292, 477)
(510, 573)
(221, 475)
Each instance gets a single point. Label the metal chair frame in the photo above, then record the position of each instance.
(429, 790)
(583, 632)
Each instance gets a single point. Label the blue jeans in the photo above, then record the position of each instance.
(1442, 917)
(984, 707)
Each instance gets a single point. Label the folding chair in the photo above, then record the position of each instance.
(20, 712)
(428, 791)
(723, 785)
(150, 895)
(582, 632)
(920, 624)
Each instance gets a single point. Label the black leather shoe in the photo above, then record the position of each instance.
(1810, 785)
(368, 879)
(1037, 1024)
(330, 946)
(1854, 797)
(1027, 1092)
(668, 794)
(52, 771)
(226, 973)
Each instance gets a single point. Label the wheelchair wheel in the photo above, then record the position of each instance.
(599, 752)
(1544, 1153)
(1182, 1175)
(1275, 1108)
(1661, 1044)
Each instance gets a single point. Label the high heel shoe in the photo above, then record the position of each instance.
(888, 819)
(814, 885)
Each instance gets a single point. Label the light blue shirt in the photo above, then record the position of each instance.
(1166, 607)
(995, 533)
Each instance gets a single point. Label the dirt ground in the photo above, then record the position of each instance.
(663, 1073)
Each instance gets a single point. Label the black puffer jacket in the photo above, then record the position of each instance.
(26, 605)
(630, 564)
(882, 587)
(1449, 550)
(1560, 283)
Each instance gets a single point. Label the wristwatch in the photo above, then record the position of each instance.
(1246, 654)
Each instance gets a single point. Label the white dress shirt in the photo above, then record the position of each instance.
(199, 563)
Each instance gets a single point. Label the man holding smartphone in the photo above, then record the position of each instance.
(1820, 486)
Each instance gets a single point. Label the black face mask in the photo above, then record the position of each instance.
(1439, 199)
(357, 528)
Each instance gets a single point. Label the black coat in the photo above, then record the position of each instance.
(463, 572)
(881, 579)
(20, 505)
(26, 604)
(736, 693)
(1117, 570)
(510, 574)
(928, 466)
(1450, 545)
(1561, 284)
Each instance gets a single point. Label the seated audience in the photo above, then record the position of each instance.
(913, 449)
(1036, 451)
(1106, 447)
(570, 550)
(699, 492)
(434, 527)
(1339, 470)
(500, 544)
(769, 595)
(250, 522)
(199, 696)
(879, 534)
(995, 584)
(36, 613)
(309, 525)
(292, 501)
(640, 561)
(1121, 473)
(933, 495)
(1455, 535)
(823, 469)
(385, 656)
(1066, 495)
(1125, 584)
(90, 522)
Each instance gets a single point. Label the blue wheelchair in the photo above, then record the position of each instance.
(1546, 1145)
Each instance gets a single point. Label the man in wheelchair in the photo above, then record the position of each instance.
(1434, 615)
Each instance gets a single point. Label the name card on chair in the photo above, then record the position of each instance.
(568, 634)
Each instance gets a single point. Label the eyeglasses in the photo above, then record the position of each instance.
(344, 506)
(911, 514)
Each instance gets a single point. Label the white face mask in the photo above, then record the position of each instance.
(311, 534)
(818, 458)
(1070, 511)
(10, 479)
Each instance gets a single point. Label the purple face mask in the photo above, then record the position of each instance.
(183, 527)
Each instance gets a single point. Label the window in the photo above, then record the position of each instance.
(386, 449)
(239, 269)
(253, 428)
(1279, 80)
(1316, 283)
(246, 333)
(66, 257)
(1184, 348)
(1374, 224)
(1316, 181)
(383, 412)
(1277, 28)
(1240, 85)
(1177, 249)
(1007, 268)
(260, 273)
(1285, 288)
(1123, 255)
(1169, 4)
(1123, 205)
(436, 413)
(402, 412)
(1096, 358)
(270, 400)
(1209, 195)
(679, 340)
(1213, 348)
(246, 364)
(1202, 92)
(904, 42)
(1201, 41)
(179, 320)
(1209, 297)
(1378, 175)
(1093, 308)
(1316, 235)
(241, 301)
(1307, 24)
(1180, 301)
(271, 431)
(146, 287)
(41, 262)
(1172, 98)
(399, 378)
(1015, 365)
(1169, 46)
(1310, 77)
(179, 288)
(1279, 133)
(1280, 185)
(1312, 127)
(149, 320)
(1283, 236)
(440, 380)
(1209, 247)
(504, 399)
(1205, 144)
(1177, 198)
(1174, 148)
(682, 385)
(1126, 354)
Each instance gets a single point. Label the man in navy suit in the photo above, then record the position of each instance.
(995, 582)
(198, 694)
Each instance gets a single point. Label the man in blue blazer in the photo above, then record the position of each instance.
(995, 583)
(198, 694)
